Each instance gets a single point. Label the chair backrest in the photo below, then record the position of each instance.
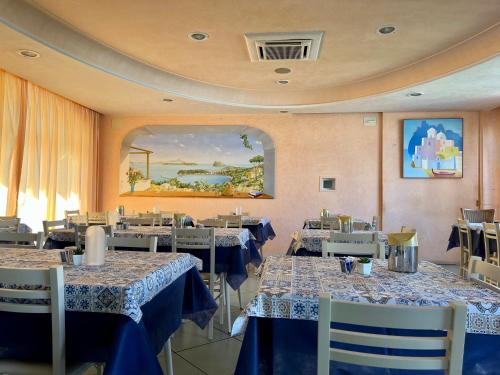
(142, 221)
(232, 221)
(49, 225)
(492, 233)
(10, 224)
(405, 229)
(450, 318)
(330, 223)
(479, 216)
(71, 213)
(47, 298)
(465, 245)
(157, 216)
(150, 242)
(80, 231)
(213, 223)
(76, 218)
(99, 218)
(356, 244)
(490, 272)
(22, 240)
(196, 239)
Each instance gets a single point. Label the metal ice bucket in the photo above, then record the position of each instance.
(403, 252)
(345, 224)
(403, 258)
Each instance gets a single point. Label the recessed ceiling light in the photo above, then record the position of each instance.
(28, 53)
(414, 94)
(283, 111)
(198, 36)
(168, 100)
(282, 82)
(388, 29)
(282, 70)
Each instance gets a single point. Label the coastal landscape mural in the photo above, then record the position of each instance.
(433, 148)
(196, 163)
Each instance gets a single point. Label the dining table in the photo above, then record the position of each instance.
(260, 227)
(358, 224)
(307, 242)
(120, 313)
(477, 239)
(234, 248)
(280, 322)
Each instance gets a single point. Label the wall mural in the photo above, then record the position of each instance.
(204, 161)
(433, 148)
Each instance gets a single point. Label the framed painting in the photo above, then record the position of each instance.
(197, 161)
(433, 148)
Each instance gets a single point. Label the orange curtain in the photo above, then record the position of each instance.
(56, 141)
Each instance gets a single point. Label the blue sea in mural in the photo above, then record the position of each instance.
(160, 172)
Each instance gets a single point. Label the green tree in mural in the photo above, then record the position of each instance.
(244, 139)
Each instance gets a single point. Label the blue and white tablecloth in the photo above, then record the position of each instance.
(224, 237)
(311, 239)
(290, 286)
(127, 280)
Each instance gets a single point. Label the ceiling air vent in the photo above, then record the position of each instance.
(284, 46)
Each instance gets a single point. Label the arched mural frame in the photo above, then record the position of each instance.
(253, 140)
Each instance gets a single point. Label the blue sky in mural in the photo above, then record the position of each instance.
(416, 129)
(200, 148)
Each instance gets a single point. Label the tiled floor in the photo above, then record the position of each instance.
(194, 353)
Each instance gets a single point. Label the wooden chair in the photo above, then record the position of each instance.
(492, 233)
(490, 273)
(213, 223)
(465, 246)
(68, 213)
(232, 221)
(50, 225)
(142, 221)
(10, 224)
(97, 218)
(22, 240)
(405, 229)
(450, 318)
(75, 217)
(149, 215)
(330, 223)
(355, 244)
(80, 231)
(52, 282)
(479, 216)
(150, 243)
(204, 239)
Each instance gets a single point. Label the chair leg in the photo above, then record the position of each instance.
(228, 306)
(167, 352)
(222, 299)
(99, 368)
(239, 298)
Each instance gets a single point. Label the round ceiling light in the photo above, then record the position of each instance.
(282, 70)
(28, 53)
(168, 100)
(414, 94)
(388, 29)
(282, 82)
(198, 36)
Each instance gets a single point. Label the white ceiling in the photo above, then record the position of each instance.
(110, 58)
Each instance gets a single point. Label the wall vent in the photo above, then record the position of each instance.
(284, 46)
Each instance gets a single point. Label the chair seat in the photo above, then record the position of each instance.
(39, 368)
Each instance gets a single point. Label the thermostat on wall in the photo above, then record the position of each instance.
(370, 121)
(326, 184)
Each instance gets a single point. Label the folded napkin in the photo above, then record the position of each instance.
(405, 238)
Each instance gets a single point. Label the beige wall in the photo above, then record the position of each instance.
(365, 161)
(307, 146)
(490, 137)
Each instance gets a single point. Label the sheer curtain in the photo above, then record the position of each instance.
(57, 142)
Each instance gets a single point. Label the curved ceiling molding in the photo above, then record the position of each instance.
(41, 27)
